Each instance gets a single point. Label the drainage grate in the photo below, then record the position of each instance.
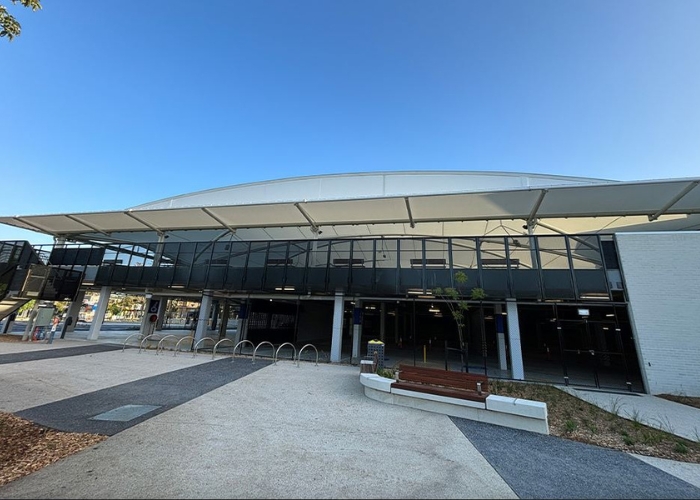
(125, 413)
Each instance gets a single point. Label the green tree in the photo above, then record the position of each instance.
(114, 309)
(9, 26)
(456, 299)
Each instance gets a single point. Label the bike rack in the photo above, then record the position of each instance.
(213, 353)
(159, 348)
(127, 339)
(200, 341)
(145, 339)
(177, 346)
(261, 343)
(300, 350)
(280, 347)
(233, 354)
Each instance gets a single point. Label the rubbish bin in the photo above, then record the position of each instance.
(376, 346)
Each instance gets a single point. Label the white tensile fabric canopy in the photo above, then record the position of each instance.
(564, 207)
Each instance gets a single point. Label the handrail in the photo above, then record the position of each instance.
(127, 339)
(300, 350)
(213, 353)
(281, 346)
(198, 342)
(233, 354)
(145, 339)
(261, 343)
(159, 348)
(177, 346)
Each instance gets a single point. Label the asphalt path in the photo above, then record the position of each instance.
(542, 466)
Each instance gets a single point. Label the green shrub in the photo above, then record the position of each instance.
(680, 447)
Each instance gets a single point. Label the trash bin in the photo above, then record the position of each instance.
(376, 346)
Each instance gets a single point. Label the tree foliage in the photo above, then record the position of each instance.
(9, 26)
(456, 299)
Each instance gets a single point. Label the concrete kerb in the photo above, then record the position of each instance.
(499, 410)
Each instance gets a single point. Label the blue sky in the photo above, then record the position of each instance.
(110, 104)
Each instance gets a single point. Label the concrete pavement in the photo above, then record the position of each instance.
(286, 431)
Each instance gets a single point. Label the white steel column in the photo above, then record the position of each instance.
(337, 334)
(99, 316)
(516, 353)
(30, 322)
(356, 332)
(203, 317)
(500, 333)
(382, 322)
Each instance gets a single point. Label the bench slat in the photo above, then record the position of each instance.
(458, 380)
(441, 391)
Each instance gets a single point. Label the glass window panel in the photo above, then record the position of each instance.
(493, 252)
(520, 253)
(298, 251)
(340, 265)
(464, 253)
(186, 254)
(411, 275)
(126, 256)
(340, 254)
(386, 253)
(363, 253)
(411, 254)
(553, 253)
(362, 270)
(219, 256)
(609, 252)
(436, 254)
(202, 253)
(585, 252)
(238, 254)
(277, 255)
(258, 255)
(319, 254)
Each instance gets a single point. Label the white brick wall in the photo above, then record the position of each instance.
(662, 277)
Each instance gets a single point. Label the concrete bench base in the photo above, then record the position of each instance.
(499, 410)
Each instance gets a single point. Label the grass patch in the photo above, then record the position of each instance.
(571, 418)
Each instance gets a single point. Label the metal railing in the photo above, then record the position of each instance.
(213, 352)
(177, 346)
(145, 339)
(261, 343)
(300, 351)
(127, 339)
(233, 354)
(196, 346)
(281, 346)
(160, 344)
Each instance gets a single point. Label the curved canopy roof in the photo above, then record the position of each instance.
(392, 203)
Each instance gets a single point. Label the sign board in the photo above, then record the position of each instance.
(44, 316)
(153, 306)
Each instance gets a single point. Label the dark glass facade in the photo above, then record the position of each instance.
(525, 268)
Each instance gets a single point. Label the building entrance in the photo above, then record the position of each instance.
(583, 346)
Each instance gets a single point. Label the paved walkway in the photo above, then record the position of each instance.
(231, 429)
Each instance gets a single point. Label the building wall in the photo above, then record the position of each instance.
(662, 278)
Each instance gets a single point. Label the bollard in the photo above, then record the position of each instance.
(478, 388)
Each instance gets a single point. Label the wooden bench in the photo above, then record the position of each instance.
(470, 386)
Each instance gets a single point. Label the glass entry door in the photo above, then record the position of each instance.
(593, 354)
